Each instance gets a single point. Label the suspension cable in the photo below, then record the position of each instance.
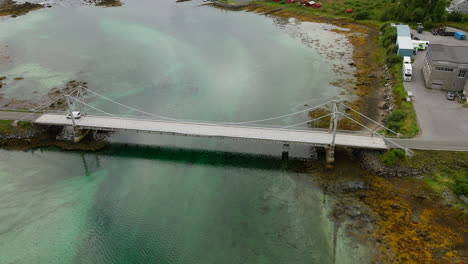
(228, 123)
(277, 117)
(94, 107)
(368, 118)
(46, 104)
(131, 108)
(384, 138)
(308, 121)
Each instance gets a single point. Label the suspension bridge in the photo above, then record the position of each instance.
(245, 130)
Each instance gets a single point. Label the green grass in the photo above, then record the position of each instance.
(20, 111)
(230, 2)
(6, 126)
(460, 25)
(331, 10)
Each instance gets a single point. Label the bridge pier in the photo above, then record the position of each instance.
(330, 155)
(79, 134)
(285, 153)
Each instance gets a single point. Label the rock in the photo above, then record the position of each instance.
(18, 78)
(395, 206)
(2, 78)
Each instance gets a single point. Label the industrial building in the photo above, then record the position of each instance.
(405, 44)
(446, 67)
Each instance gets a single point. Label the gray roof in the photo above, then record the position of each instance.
(457, 2)
(403, 31)
(456, 54)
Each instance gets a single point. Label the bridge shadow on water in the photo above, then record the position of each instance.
(92, 161)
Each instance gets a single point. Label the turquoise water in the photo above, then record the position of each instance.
(163, 199)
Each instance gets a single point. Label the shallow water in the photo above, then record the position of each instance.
(169, 199)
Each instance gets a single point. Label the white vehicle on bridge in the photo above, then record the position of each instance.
(75, 114)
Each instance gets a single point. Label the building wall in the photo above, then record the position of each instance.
(405, 52)
(466, 91)
(444, 75)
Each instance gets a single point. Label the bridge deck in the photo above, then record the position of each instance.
(215, 130)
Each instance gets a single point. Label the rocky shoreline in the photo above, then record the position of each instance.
(229, 5)
(394, 212)
(13, 9)
(41, 136)
(370, 161)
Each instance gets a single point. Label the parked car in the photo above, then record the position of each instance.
(75, 114)
(450, 96)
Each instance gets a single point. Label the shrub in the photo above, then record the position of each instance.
(393, 155)
(361, 15)
(455, 17)
(396, 120)
(393, 59)
(428, 23)
(384, 27)
(397, 116)
(461, 184)
(395, 126)
(399, 153)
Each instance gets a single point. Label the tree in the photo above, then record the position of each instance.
(455, 17)
(418, 15)
(428, 23)
(439, 11)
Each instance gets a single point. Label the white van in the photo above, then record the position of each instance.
(406, 60)
(407, 72)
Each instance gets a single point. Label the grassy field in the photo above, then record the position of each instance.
(6, 126)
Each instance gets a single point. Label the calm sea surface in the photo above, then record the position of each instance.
(163, 199)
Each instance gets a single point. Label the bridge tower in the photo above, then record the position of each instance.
(330, 150)
(78, 134)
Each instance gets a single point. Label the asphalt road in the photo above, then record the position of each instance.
(422, 144)
(5, 115)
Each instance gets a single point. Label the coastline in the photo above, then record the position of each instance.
(405, 226)
(394, 212)
(38, 137)
(372, 96)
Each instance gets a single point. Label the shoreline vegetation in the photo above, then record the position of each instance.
(13, 9)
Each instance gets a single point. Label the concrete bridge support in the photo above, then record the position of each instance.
(79, 134)
(330, 154)
(285, 153)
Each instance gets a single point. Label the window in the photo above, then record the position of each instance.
(443, 69)
(461, 73)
